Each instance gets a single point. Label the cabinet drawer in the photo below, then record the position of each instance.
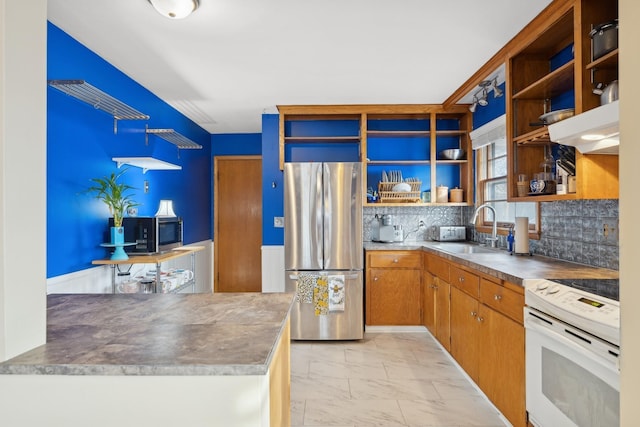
(508, 302)
(437, 266)
(466, 281)
(395, 259)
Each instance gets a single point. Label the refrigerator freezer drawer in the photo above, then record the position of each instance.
(312, 320)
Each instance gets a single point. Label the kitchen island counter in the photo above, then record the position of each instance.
(222, 357)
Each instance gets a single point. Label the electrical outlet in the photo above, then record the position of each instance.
(278, 221)
(421, 224)
(610, 231)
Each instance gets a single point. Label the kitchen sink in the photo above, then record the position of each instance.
(465, 248)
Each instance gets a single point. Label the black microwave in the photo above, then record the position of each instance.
(151, 235)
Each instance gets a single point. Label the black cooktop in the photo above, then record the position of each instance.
(608, 288)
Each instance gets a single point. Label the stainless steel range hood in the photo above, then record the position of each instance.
(593, 132)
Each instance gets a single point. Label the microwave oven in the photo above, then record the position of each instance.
(151, 235)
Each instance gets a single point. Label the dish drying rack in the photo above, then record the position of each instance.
(387, 195)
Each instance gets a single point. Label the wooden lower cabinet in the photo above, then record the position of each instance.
(393, 288)
(465, 336)
(435, 307)
(429, 305)
(436, 296)
(501, 368)
(487, 339)
(476, 317)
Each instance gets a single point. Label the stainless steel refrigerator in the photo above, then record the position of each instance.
(323, 249)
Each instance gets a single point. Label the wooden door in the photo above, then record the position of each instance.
(429, 306)
(502, 364)
(464, 331)
(394, 297)
(237, 224)
(443, 292)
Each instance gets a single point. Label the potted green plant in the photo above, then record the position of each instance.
(114, 195)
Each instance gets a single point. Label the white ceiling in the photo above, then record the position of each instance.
(233, 59)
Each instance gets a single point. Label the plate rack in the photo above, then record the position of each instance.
(99, 100)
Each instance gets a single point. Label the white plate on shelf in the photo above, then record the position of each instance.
(403, 187)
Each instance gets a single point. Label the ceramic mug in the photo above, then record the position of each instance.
(170, 282)
(185, 275)
(537, 185)
(129, 287)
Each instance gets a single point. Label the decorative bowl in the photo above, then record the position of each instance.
(452, 154)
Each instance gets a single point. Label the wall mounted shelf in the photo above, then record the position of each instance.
(174, 138)
(99, 100)
(145, 163)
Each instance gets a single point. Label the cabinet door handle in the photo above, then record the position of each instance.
(480, 319)
(375, 279)
(473, 314)
(460, 279)
(497, 297)
(395, 260)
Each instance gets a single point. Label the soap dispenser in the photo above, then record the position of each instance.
(510, 240)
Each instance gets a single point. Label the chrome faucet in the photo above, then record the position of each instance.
(494, 231)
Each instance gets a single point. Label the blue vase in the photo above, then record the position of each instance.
(117, 235)
(117, 239)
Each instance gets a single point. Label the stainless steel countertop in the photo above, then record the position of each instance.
(499, 263)
(157, 334)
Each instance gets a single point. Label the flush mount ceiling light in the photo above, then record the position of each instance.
(175, 9)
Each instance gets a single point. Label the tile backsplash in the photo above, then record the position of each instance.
(583, 231)
(409, 217)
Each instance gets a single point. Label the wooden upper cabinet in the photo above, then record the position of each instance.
(406, 138)
(549, 67)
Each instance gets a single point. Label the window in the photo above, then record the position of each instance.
(491, 182)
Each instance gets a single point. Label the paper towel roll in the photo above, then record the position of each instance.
(522, 235)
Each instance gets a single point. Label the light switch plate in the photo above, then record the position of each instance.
(278, 221)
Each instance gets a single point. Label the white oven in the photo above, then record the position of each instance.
(572, 357)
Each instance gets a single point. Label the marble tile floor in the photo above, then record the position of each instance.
(385, 380)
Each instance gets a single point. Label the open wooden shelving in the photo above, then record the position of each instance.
(392, 122)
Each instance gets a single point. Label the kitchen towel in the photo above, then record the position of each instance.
(336, 292)
(304, 287)
(522, 235)
(321, 296)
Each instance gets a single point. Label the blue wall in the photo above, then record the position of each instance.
(272, 182)
(494, 109)
(236, 144)
(81, 143)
